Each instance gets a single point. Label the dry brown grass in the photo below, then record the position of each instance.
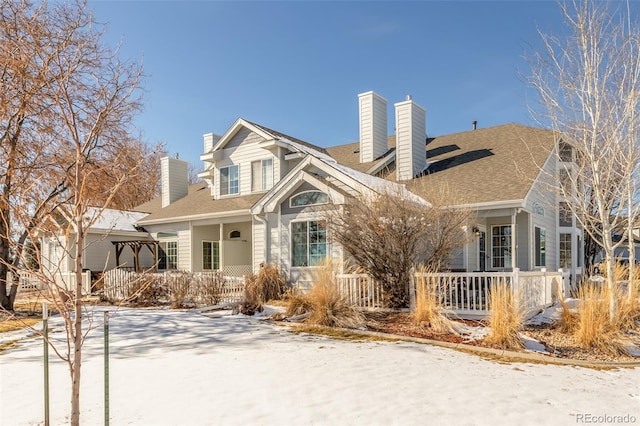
(506, 317)
(297, 303)
(324, 303)
(18, 324)
(595, 326)
(428, 310)
(268, 284)
(568, 319)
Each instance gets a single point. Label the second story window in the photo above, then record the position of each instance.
(229, 180)
(261, 175)
(565, 152)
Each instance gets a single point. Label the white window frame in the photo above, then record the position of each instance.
(539, 251)
(308, 262)
(165, 250)
(226, 183)
(262, 178)
(214, 259)
(307, 205)
(563, 251)
(506, 247)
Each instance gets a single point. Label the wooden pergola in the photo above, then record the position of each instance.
(136, 246)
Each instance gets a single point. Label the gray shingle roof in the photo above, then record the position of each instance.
(198, 202)
(485, 165)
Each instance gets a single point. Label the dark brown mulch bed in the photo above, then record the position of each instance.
(556, 342)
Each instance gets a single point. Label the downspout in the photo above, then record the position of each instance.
(265, 230)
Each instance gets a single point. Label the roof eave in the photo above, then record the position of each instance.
(230, 213)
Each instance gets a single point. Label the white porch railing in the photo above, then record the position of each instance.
(199, 287)
(360, 290)
(464, 294)
(67, 280)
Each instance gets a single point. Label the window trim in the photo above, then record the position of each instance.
(165, 251)
(565, 250)
(506, 246)
(213, 261)
(259, 183)
(564, 213)
(539, 251)
(308, 255)
(229, 180)
(307, 205)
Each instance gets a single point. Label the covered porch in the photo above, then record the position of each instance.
(222, 246)
(500, 241)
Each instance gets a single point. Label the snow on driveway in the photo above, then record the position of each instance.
(185, 368)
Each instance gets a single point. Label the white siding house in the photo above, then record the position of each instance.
(265, 194)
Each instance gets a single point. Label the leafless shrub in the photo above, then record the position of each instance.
(210, 289)
(388, 234)
(178, 286)
(148, 290)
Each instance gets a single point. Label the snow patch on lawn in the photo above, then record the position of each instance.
(182, 367)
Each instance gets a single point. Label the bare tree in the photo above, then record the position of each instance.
(390, 234)
(589, 90)
(66, 129)
(35, 162)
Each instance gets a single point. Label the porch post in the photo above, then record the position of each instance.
(221, 247)
(514, 263)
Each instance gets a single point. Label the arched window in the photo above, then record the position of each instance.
(308, 198)
(234, 234)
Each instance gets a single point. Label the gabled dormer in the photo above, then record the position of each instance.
(249, 158)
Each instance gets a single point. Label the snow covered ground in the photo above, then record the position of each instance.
(186, 368)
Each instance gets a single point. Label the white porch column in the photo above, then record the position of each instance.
(220, 247)
(514, 263)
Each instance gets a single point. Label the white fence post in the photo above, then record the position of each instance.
(515, 279)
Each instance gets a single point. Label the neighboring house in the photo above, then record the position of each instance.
(107, 226)
(264, 194)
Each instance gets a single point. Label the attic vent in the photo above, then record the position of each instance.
(234, 234)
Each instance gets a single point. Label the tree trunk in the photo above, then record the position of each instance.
(632, 262)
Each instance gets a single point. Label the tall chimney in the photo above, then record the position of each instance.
(210, 140)
(411, 139)
(373, 126)
(174, 180)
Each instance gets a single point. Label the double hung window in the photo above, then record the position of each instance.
(229, 180)
(262, 175)
(168, 256)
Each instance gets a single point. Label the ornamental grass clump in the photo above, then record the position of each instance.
(428, 311)
(324, 303)
(596, 329)
(506, 317)
(268, 284)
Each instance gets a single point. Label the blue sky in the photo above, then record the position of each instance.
(297, 66)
